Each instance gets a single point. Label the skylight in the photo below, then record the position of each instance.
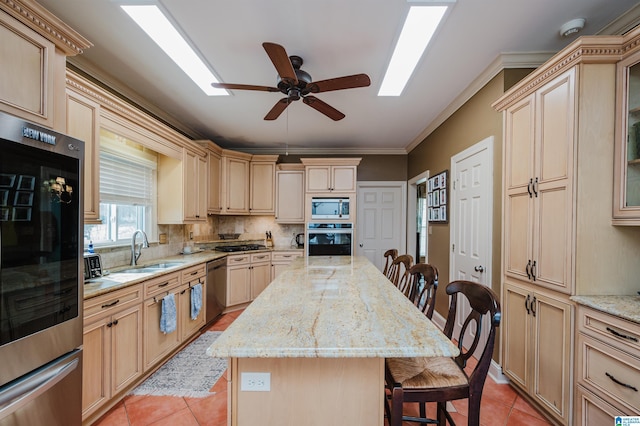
(417, 31)
(151, 19)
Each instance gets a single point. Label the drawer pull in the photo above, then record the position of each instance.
(194, 273)
(620, 383)
(108, 305)
(622, 336)
(163, 284)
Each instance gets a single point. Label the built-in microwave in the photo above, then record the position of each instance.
(329, 208)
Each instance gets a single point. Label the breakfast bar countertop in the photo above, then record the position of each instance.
(331, 307)
(625, 307)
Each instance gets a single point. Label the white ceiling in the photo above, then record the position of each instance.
(335, 38)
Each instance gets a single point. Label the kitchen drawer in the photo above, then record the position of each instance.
(194, 273)
(161, 284)
(590, 410)
(614, 331)
(284, 256)
(260, 257)
(106, 304)
(238, 259)
(609, 372)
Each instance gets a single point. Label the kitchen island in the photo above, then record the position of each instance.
(322, 330)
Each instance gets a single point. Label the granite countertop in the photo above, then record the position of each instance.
(116, 280)
(331, 307)
(626, 307)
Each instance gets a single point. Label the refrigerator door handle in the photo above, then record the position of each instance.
(31, 387)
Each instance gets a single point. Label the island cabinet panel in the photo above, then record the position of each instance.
(331, 381)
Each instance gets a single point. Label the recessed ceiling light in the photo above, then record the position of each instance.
(151, 19)
(419, 26)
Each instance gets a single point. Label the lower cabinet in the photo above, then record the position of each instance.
(247, 276)
(112, 346)
(280, 260)
(537, 346)
(607, 368)
(122, 337)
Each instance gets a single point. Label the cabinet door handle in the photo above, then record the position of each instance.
(535, 187)
(108, 305)
(622, 336)
(614, 380)
(526, 304)
(527, 269)
(533, 304)
(533, 270)
(529, 185)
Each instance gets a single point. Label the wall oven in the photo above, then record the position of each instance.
(40, 275)
(329, 239)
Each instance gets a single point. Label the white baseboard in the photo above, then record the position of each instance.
(495, 369)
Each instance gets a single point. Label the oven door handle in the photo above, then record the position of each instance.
(30, 388)
(330, 231)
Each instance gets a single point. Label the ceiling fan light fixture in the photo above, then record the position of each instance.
(154, 22)
(417, 31)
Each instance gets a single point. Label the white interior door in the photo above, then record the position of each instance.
(471, 218)
(381, 219)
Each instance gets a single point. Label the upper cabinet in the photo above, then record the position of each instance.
(34, 45)
(290, 193)
(626, 204)
(327, 175)
(83, 122)
(235, 182)
(214, 176)
(262, 186)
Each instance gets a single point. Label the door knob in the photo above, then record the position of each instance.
(361, 245)
(479, 268)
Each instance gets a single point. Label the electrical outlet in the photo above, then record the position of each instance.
(255, 382)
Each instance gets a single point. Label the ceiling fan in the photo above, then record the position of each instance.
(296, 84)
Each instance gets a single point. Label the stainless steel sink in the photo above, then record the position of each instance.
(151, 268)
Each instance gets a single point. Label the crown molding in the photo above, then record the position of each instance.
(503, 61)
(324, 151)
(47, 25)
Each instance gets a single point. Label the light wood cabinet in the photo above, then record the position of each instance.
(330, 175)
(112, 346)
(214, 176)
(190, 278)
(280, 260)
(247, 276)
(538, 353)
(626, 200)
(290, 193)
(83, 122)
(182, 187)
(607, 368)
(262, 184)
(156, 343)
(235, 182)
(539, 135)
(34, 45)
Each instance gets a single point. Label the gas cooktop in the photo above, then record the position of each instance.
(241, 247)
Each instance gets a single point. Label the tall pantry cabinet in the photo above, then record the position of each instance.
(556, 122)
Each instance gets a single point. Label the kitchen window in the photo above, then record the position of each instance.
(128, 189)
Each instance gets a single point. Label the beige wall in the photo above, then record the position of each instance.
(474, 121)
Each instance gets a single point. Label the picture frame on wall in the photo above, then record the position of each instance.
(437, 197)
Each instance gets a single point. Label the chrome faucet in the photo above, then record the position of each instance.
(137, 249)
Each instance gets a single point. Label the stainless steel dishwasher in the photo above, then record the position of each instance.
(216, 288)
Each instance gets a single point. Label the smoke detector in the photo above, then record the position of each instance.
(572, 27)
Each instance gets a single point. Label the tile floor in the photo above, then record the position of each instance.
(501, 405)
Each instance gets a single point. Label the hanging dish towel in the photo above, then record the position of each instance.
(196, 300)
(169, 315)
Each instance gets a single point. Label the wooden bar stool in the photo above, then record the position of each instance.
(389, 255)
(424, 278)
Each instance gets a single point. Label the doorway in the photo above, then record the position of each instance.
(471, 218)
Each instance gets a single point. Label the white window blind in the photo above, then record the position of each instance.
(123, 181)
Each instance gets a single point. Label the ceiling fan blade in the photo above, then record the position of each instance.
(339, 83)
(281, 61)
(231, 86)
(323, 107)
(277, 109)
